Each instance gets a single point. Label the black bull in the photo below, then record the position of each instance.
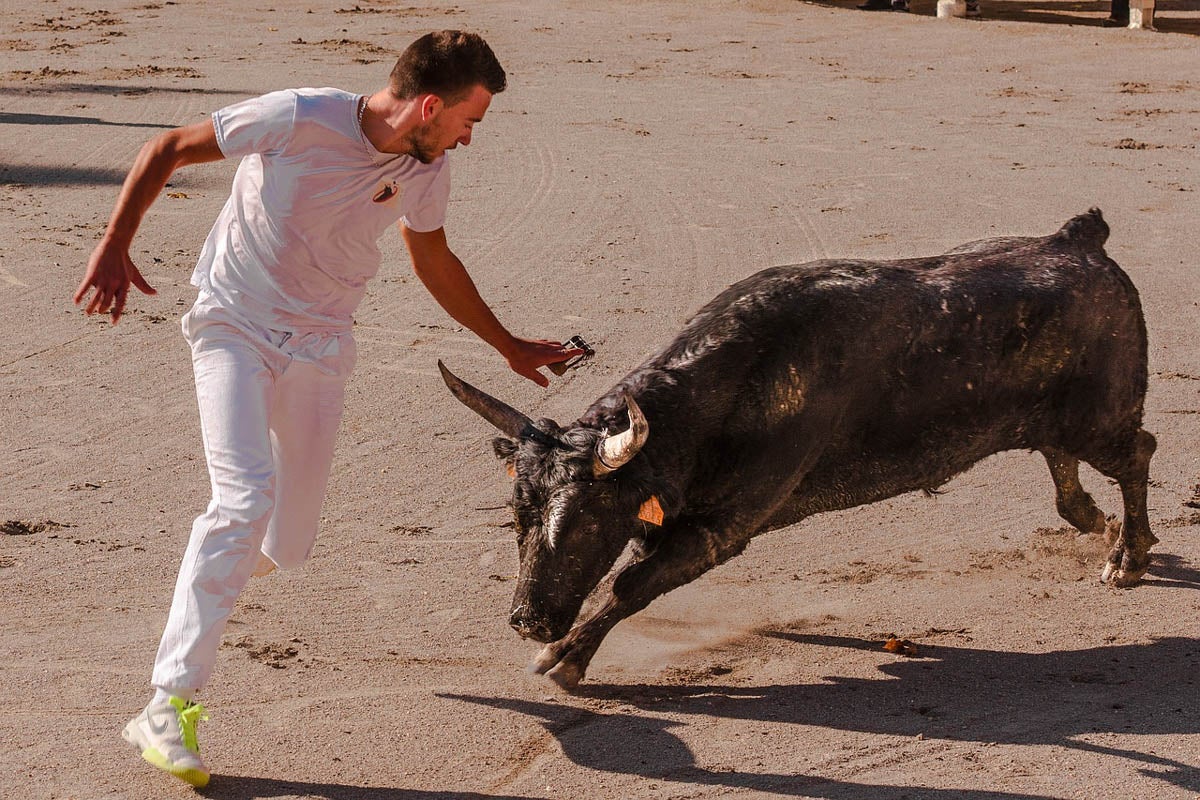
(823, 386)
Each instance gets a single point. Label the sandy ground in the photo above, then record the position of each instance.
(646, 155)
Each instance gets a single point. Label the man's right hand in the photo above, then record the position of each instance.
(110, 270)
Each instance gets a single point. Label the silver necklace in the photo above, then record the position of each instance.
(362, 110)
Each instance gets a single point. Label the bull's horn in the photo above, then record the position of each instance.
(503, 416)
(614, 452)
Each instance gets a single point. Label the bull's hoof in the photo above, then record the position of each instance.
(545, 660)
(566, 675)
(1123, 569)
(1128, 560)
(1121, 578)
(549, 662)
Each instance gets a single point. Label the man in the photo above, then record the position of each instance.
(323, 174)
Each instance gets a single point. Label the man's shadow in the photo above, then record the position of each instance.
(952, 693)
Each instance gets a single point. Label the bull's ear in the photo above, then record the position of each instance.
(506, 451)
(504, 448)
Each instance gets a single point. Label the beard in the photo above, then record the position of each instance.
(422, 145)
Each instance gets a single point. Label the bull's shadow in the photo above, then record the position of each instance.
(1172, 571)
(645, 747)
(237, 787)
(953, 693)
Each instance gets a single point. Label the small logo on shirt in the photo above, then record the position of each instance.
(386, 192)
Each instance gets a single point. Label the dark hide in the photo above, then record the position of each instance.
(827, 385)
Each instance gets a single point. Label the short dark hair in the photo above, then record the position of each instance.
(448, 64)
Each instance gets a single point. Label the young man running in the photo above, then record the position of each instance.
(323, 174)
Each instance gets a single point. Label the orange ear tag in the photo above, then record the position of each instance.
(510, 469)
(651, 512)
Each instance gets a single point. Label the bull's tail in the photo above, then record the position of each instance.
(1087, 229)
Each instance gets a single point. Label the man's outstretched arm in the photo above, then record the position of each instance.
(448, 281)
(110, 270)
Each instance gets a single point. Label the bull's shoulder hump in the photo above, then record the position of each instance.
(1088, 229)
(998, 245)
(815, 275)
(790, 288)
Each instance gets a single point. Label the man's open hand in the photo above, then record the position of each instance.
(529, 354)
(109, 272)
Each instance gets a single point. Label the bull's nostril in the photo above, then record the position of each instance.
(524, 621)
(537, 631)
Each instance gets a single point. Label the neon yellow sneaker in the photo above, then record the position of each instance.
(165, 734)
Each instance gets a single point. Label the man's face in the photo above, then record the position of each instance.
(450, 126)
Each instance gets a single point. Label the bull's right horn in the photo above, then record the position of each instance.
(500, 414)
(614, 452)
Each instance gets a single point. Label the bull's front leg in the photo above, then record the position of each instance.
(684, 554)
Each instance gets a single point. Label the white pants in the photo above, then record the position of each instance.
(270, 404)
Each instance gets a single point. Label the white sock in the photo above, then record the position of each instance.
(162, 696)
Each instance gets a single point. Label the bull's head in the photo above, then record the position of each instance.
(573, 515)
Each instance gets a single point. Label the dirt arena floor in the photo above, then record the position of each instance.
(646, 155)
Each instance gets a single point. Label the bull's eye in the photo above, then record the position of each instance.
(517, 525)
(526, 518)
(524, 523)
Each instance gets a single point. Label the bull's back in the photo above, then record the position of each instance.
(1036, 344)
(907, 371)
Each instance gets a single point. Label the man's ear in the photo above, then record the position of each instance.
(431, 104)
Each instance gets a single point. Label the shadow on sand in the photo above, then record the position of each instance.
(11, 118)
(41, 88)
(951, 693)
(237, 787)
(1052, 12)
(31, 175)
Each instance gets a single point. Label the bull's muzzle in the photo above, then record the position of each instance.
(529, 628)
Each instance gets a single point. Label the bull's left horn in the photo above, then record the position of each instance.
(500, 414)
(614, 452)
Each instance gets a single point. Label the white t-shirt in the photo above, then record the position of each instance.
(296, 242)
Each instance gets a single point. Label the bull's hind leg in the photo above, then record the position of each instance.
(1074, 504)
(1129, 465)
